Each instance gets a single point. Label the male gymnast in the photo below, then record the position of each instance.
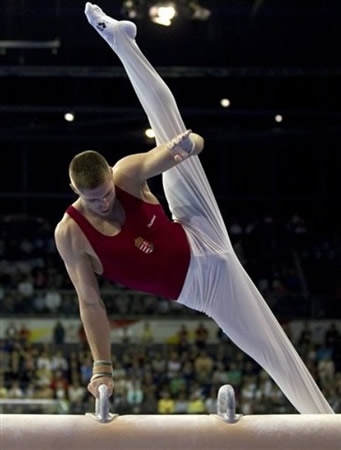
(117, 228)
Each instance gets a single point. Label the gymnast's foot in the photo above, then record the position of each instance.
(106, 26)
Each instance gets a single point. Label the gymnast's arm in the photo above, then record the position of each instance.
(92, 309)
(142, 166)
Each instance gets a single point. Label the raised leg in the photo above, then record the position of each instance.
(186, 187)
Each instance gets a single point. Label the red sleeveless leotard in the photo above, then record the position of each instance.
(150, 254)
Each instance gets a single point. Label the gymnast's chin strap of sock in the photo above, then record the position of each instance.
(102, 368)
(181, 146)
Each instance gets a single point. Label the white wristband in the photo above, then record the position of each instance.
(181, 146)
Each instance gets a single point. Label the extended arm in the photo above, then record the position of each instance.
(92, 309)
(142, 166)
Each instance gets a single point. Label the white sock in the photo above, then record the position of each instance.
(107, 26)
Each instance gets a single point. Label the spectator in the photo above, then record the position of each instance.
(25, 286)
(201, 335)
(125, 334)
(211, 401)
(76, 394)
(58, 334)
(24, 334)
(203, 367)
(148, 382)
(59, 379)
(220, 375)
(86, 369)
(147, 334)
(181, 403)
(134, 394)
(44, 360)
(173, 364)
(183, 338)
(196, 404)
(234, 374)
(39, 279)
(43, 391)
(3, 388)
(332, 336)
(188, 372)
(39, 303)
(150, 404)
(177, 384)
(60, 392)
(120, 393)
(15, 361)
(53, 300)
(248, 393)
(118, 370)
(158, 363)
(5, 359)
(326, 371)
(43, 378)
(11, 331)
(15, 390)
(166, 404)
(306, 336)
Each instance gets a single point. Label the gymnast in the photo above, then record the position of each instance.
(117, 228)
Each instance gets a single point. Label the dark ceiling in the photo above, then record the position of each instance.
(267, 56)
(262, 33)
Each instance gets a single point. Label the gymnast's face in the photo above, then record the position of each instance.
(99, 200)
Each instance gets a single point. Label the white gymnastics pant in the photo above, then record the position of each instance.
(216, 283)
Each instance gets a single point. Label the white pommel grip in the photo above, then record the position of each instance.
(102, 413)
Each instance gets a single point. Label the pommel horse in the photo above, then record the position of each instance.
(222, 431)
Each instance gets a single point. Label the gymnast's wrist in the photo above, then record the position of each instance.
(102, 368)
(181, 147)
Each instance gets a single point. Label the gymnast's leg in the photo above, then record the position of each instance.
(221, 288)
(187, 189)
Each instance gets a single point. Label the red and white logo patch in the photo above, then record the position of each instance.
(143, 245)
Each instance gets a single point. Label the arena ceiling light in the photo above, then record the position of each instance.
(163, 13)
(69, 116)
(149, 133)
(133, 9)
(225, 102)
(199, 12)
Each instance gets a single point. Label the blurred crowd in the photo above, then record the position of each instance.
(290, 261)
(155, 378)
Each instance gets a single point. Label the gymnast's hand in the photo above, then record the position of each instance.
(94, 385)
(198, 143)
(185, 144)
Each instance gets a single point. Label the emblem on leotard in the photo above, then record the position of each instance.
(143, 245)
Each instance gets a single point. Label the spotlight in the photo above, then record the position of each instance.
(69, 117)
(278, 118)
(163, 13)
(225, 102)
(149, 133)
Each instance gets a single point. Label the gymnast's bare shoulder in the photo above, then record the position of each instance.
(68, 238)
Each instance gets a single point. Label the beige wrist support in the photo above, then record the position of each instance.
(102, 368)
